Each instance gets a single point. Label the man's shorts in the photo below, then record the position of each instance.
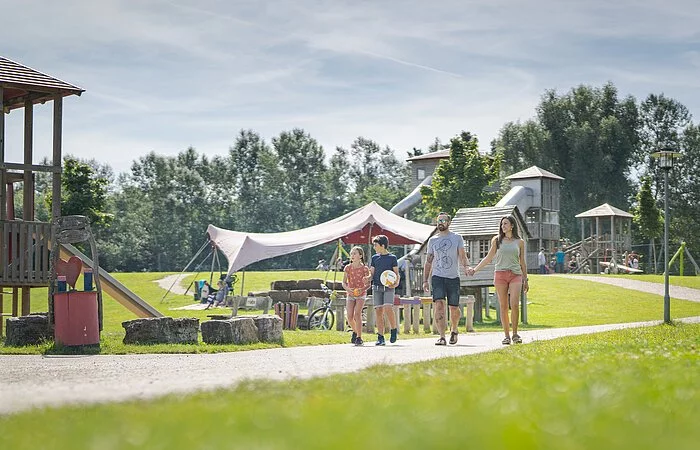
(382, 296)
(445, 288)
(506, 278)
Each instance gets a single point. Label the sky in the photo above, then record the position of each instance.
(166, 75)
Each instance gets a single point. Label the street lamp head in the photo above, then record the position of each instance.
(666, 156)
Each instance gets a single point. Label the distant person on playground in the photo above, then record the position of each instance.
(542, 262)
(510, 273)
(561, 256)
(445, 253)
(356, 282)
(383, 296)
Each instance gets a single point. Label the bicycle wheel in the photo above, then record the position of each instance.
(321, 319)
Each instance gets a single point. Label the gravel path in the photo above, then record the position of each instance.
(167, 283)
(34, 381)
(678, 292)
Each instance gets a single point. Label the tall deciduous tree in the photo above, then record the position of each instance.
(588, 136)
(647, 217)
(461, 180)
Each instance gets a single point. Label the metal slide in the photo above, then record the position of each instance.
(114, 288)
(411, 200)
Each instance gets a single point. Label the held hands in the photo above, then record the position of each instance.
(470, 271)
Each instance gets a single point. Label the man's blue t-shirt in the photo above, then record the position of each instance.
(560, 257)
(380, 264)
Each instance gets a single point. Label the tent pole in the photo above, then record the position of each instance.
(242, 281)
(183, 270)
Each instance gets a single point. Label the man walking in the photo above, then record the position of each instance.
(445, 253)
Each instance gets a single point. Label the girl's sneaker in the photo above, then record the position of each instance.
(359, 342)
(380, 340)
(353, 338)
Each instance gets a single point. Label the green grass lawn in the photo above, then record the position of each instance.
(629, 389)
(553, 302)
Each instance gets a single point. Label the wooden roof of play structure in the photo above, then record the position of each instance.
(533, 172)
(485, 221)
(20, 83)
(604, 210)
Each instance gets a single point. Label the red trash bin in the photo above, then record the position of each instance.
(76, 319)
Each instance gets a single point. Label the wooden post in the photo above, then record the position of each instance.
(27, 193)
(3, 187)
(56, 175)
(427, 316)
(371, 318)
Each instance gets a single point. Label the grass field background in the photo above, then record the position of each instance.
(553, 302)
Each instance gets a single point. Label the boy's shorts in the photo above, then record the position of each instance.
(382, 296)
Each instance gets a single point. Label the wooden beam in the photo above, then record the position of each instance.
(57, 163)
(31, 167)
(28, 190)
(3, 187)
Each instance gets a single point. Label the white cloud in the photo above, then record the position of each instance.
(164, 75)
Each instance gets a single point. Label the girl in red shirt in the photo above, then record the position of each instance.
(356, 287)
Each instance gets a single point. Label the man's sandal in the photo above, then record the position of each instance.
(453, 337)
(506, 341)
(441, 341)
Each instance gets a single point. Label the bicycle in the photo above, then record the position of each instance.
(323, 318)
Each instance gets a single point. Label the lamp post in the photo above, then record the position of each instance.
(666, 157)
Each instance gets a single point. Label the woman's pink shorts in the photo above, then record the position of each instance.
(506, 277)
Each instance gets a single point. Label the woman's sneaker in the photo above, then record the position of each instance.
(353, 338)
(359, 342)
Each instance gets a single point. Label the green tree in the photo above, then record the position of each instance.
(83, 192)
(648, 217)
(588, 136)
(460, 181)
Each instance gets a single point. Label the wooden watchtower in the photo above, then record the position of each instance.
(25, 244)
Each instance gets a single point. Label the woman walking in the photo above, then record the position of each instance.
(510, 274)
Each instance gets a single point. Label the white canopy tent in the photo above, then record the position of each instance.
(355, 227)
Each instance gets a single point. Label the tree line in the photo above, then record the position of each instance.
(154, 216)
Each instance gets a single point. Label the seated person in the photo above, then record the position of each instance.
(220, 298)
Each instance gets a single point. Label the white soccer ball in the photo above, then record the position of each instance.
(388, 278)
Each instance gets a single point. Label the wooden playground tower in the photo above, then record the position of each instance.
(606, 233)
(25, 244)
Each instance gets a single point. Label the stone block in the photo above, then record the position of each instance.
(284, 285)
(269, 328)
(244, 330)
(318, 293)
(314, 283)
(279, 296)
(161, 330)
(28, 330)
(217, 332)
(298, 296)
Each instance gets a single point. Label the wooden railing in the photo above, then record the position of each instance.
(24, 253)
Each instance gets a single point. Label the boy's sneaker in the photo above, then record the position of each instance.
(380, 340)
(353, 339)
(394, 334)
(359, 342)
